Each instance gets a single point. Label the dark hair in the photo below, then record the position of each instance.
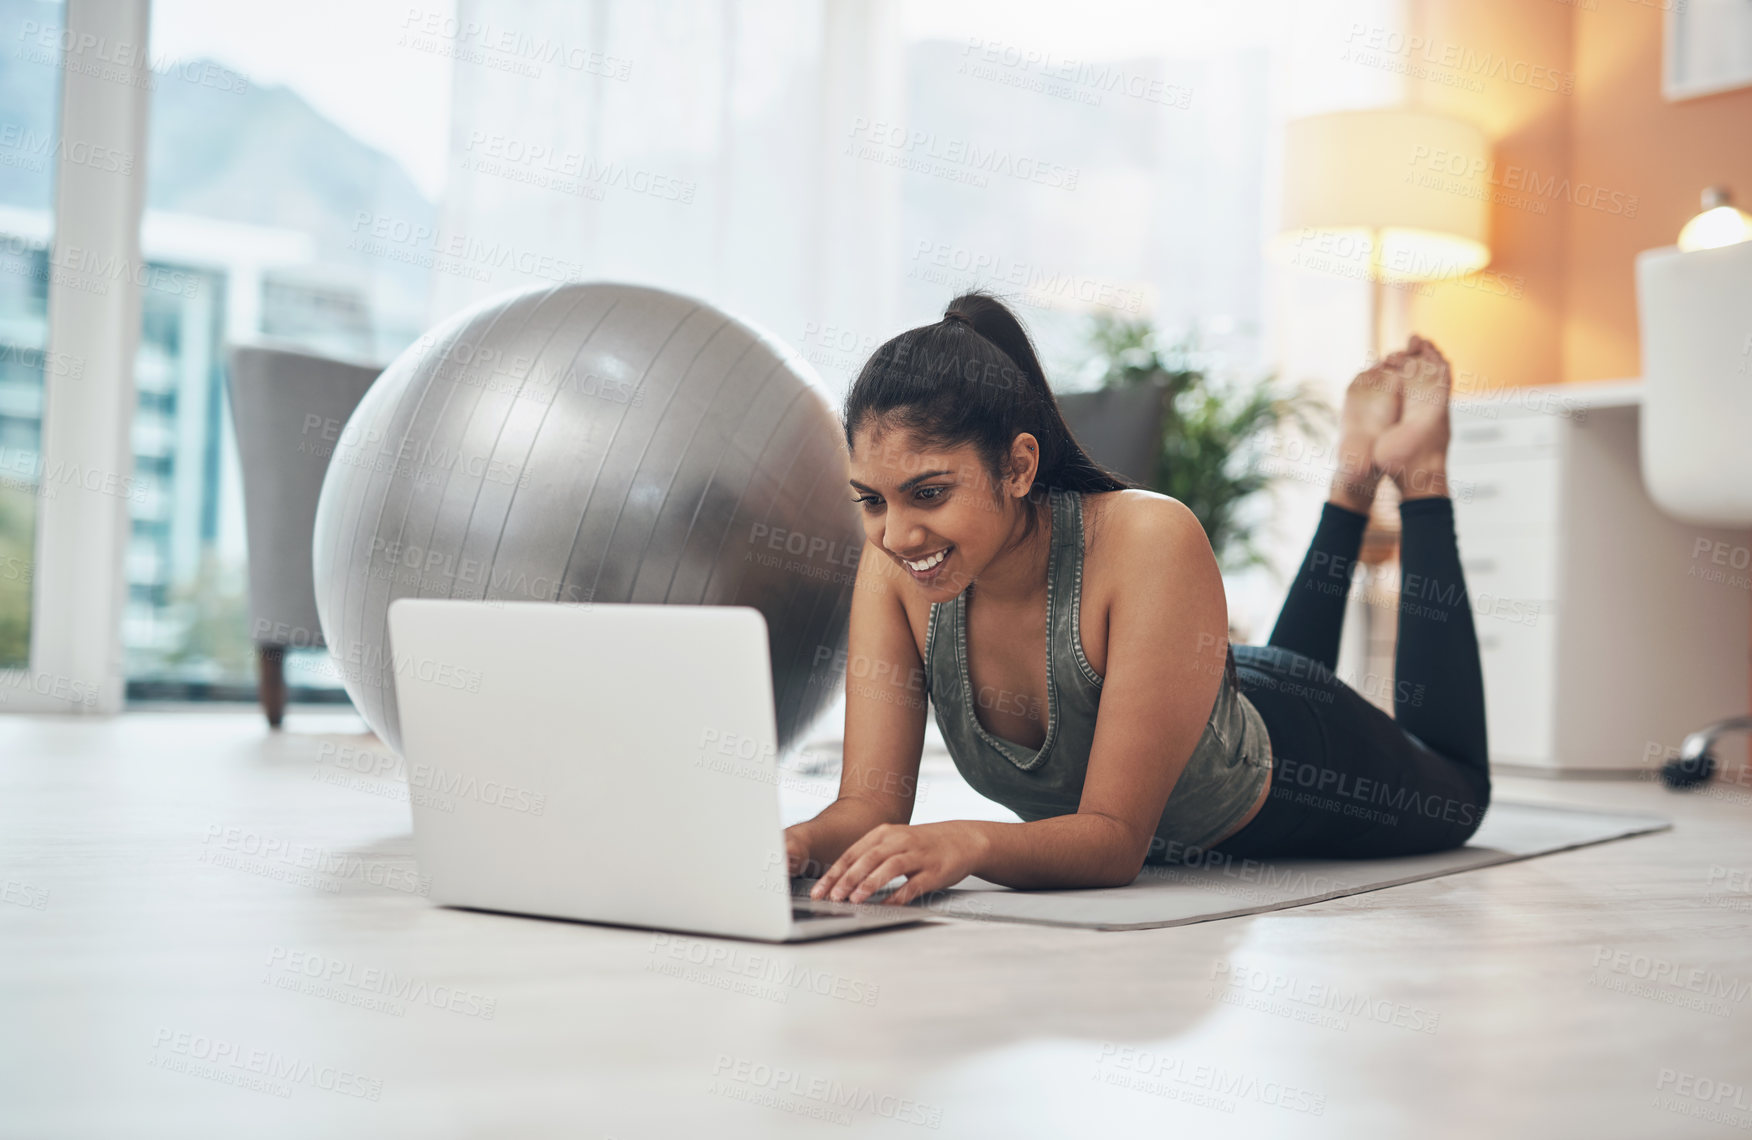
(973, 377)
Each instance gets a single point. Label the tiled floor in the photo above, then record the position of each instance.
(211, 930)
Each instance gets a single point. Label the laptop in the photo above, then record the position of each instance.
(606, 763)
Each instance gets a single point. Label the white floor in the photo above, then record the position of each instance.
(204, 936)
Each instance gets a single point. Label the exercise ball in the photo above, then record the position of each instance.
(597, 443)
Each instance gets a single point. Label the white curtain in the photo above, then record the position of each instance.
(692, 146)
(836, 170)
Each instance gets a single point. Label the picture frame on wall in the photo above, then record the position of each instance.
(1707, 47)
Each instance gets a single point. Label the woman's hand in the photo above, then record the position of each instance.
(931, 856)
(797, 852)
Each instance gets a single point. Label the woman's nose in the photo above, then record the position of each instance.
(895, 529)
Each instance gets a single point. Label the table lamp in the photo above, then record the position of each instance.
(1393, 195)
(1390, 195)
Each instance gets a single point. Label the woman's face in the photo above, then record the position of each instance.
(936, 514)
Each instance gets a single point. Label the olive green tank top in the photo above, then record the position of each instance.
(1225, 775)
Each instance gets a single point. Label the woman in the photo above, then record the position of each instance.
(1071, 632)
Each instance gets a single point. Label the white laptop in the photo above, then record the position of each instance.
(608, 763)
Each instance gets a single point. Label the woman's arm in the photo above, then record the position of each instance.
(885, 724)
(1167, 645)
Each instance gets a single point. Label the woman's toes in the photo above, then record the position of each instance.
(1420, 438)
(1371, 403)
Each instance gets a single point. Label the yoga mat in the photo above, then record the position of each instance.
(1177, 895)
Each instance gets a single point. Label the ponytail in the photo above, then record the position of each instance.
(973, 377)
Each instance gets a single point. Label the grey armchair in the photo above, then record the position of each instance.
(288, 409)
(1120, 428)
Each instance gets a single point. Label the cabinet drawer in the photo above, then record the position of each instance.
(1518, 661)
(1503, 565)
(1480, 436)
(1504, 497)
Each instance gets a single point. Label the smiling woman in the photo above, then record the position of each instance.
(1070, 630)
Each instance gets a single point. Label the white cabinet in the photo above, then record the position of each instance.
(1606, 629)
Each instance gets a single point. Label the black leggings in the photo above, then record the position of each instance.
(1349, 781)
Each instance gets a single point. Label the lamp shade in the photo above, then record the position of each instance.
(1404, 192)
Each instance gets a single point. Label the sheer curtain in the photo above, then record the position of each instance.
(836, 170)
(696, 147)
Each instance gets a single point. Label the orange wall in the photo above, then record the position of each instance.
(1510, 335)
(1614, 134)
(1625, 134)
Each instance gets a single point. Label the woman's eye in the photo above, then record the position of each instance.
(924, 494)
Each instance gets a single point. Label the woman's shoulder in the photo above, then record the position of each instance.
(1137, 521)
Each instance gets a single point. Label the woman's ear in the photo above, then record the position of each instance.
(1024, 464)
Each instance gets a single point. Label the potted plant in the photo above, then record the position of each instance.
(1215, 431)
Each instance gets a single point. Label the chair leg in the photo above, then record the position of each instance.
(271, 684)
(1696, 763)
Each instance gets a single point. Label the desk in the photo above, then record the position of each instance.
(1607, 629)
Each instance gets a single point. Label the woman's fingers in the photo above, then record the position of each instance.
(858, 871)
(897, 864)
(917, 883)
(846, 871)
(832, 874)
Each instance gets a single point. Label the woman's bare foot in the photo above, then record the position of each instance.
(1414, 451)
(1371, 407)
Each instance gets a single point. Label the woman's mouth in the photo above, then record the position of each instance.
(927, 568)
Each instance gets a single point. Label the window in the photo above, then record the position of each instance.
(267, 142)
(30, 82)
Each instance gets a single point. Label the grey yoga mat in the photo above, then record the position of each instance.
(1176, 895)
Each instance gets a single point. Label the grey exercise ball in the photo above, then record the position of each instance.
(592, 442)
